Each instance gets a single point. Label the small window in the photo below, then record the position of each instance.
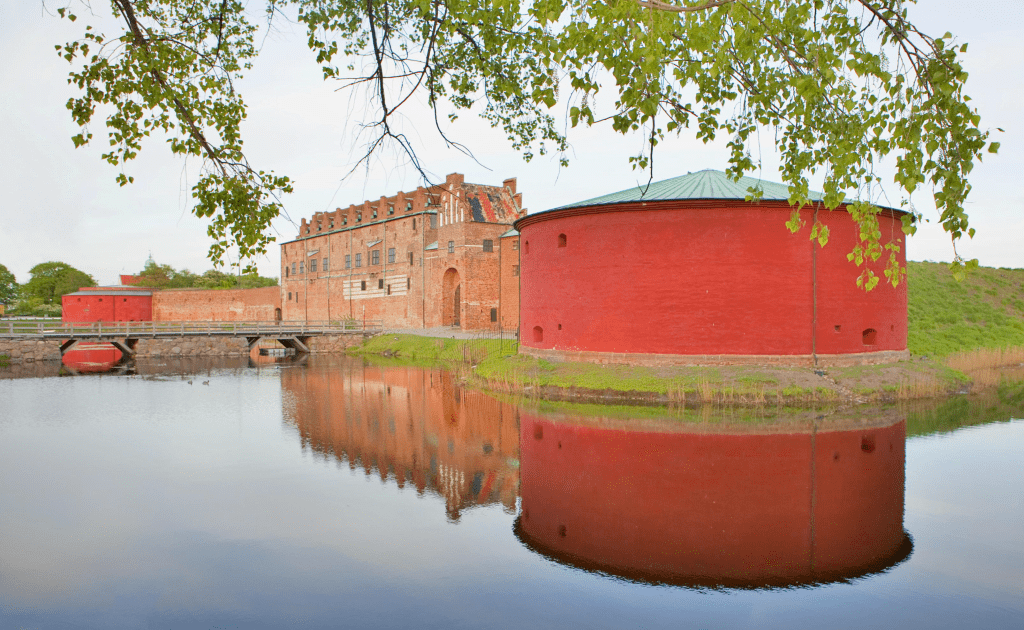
(561, 240)
(302, 267)
(408, 283)
(451, 247)
(433, 221)
(359, 217)
(374, 213)
(494, 314)
(515, 244)
(526, 247)
(286, 271)
(538, 333)
(312, 266)
(391, 255)
(348, 261)
(344, 220)
(101, 299)
(515, 270)
(869, 336)
(359, 260)
(408, 208)
(414, 224)
(375, 257)
(488, 245)
(391, 210)
(124, 299)
(380, 283)
(319, 227)
(410, 258)
(362, 285)
(289, 296)
(332, 224)
(293, 269)
(389, 289)
(324, 266)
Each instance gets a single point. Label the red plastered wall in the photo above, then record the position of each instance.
(107, 308)
(706, 280)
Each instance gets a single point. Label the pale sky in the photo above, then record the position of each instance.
(62, 203)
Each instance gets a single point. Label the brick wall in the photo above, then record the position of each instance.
(176, 305)
(703, 278)
(408, 290)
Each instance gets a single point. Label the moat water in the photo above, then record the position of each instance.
(333, 493)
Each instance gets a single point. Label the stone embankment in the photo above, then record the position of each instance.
(27, 351)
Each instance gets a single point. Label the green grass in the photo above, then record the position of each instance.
(985, 310)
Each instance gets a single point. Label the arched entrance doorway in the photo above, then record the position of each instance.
(451, 299)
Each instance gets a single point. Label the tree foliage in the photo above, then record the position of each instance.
(8, 287)
(836, 86)
(50, 281)
(167, 277)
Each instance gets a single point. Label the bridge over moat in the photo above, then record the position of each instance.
(125, 336)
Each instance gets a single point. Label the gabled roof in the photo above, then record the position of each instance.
(511, 232)
(706, 184)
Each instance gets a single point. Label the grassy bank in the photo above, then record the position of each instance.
(497, 366)
(946, 317)
(963, 336)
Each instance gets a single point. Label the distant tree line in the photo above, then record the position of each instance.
(167, 277)
(49, 281)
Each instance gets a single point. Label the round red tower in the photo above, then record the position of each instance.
(690, 272)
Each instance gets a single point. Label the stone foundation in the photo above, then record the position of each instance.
(664, 360)
(28, 351)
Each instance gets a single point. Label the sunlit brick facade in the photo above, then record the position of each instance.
(439, 256)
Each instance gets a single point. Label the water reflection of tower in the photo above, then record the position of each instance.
(704, 505)
(410, 425)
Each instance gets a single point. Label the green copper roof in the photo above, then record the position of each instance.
(707, 184)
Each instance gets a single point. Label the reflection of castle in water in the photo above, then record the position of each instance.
(747, 507)
(408, 424)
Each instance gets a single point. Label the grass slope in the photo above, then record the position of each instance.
(986, 310)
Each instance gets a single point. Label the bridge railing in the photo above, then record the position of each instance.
(29, 328)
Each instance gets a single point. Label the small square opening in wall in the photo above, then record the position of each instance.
(869, 336)
(838, 328)
(559, 327)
